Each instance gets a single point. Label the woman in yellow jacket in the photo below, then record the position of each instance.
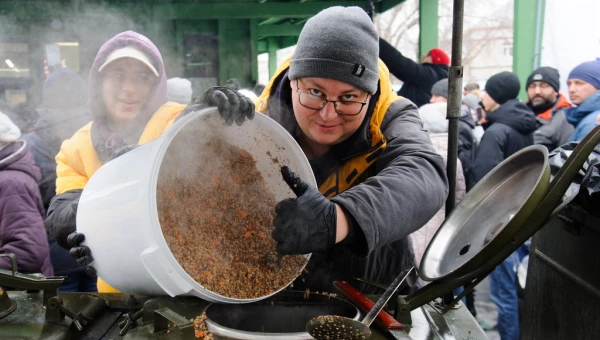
(128, 103)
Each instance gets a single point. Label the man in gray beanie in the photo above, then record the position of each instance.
(374, 164)
(439, 92)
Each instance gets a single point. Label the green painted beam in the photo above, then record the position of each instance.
(288, 41)
(284, 30)
(269, 21)
(428, 25)
(272, 48)
(524, 41)
(172, 11)
(250, 10)
(385, 5)
(254, 50)
(262, 46)
(235, 52)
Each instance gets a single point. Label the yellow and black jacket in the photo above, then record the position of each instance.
(387, 177)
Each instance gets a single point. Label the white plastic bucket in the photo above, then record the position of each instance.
(118, 210)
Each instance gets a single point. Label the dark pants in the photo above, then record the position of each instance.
(503, 290)
(78, 281)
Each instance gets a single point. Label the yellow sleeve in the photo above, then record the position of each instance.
(76, 161)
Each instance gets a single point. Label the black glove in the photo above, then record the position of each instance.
(82, 254)
(305, 224)
(232, 105)
(62, 215)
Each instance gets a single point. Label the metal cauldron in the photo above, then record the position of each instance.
(283, 316)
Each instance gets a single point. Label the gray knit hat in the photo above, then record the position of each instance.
(440, 88)
(338, 43)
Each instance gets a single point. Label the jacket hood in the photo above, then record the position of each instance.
(17, 157)
(156, 98)
(591, 104)
(433, 116)
(514, 114)
(466, 116)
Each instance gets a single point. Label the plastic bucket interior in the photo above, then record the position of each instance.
(118, 208)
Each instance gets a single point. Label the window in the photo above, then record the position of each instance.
(508, 49)
(14, 60)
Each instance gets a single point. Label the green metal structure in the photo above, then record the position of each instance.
(527, 42)
(209, 41)
(428, 26)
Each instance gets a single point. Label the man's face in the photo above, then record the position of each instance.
(540, 92)
(580, 90)
(438, 99)
(489, 104)
(426, 59)
(126, 84)
(325, 127)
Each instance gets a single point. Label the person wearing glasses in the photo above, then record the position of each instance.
(379, 177)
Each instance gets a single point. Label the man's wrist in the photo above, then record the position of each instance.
(342, 224)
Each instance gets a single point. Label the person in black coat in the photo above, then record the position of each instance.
(467, 143)
(418, 78)
(508, 128)
(509, 123)
(62, 112)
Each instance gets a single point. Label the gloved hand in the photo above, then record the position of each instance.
(82, 254)
(232, 105)
(305, 224)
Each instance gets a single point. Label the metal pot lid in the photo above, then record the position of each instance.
(488, 217)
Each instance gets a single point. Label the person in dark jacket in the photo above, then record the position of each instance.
(467, 143)
(22, 229)
(379, 178)
(584, 91)
(62, 112)
(508, 128)
(549, 106)
(418, 78)
(509, 123)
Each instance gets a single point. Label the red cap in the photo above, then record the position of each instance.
(439, 57)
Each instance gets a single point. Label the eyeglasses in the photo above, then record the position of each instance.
(342, 107)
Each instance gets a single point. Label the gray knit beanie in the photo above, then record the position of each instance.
(440, 88)
(338, 43)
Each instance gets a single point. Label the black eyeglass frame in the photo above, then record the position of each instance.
(325, 101)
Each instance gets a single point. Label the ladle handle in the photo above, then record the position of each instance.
(368, 320)
(365, 304)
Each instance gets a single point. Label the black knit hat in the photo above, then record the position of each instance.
(547, 75)
(503, 87)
